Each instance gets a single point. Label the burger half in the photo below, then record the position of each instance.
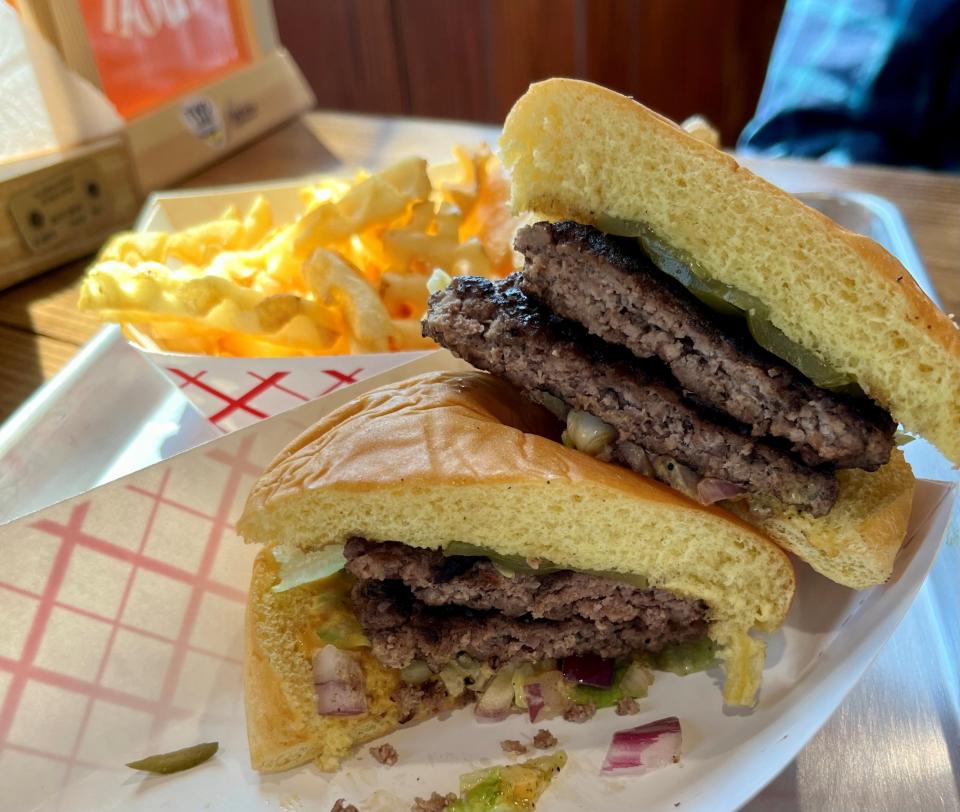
(694, 323)
(433, 543)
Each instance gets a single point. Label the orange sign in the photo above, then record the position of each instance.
(149, 51)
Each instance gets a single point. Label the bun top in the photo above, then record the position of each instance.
(579, 151)
(463, 457)
(438, 429)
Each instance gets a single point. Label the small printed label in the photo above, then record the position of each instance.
(203, 119)
(241, 113)
(61, 208)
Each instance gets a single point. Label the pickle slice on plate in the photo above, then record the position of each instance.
(177, 760)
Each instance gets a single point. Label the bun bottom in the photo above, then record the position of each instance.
(855, 544)
(283, 727)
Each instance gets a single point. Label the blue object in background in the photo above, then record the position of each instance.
(867, 81)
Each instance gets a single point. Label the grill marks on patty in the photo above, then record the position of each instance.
(420, 604)
(610, 286)
(496, 327)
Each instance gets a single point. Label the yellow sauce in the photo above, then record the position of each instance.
(330, 619)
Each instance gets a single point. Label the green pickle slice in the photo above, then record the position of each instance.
(808, 364)
(686, 658)
(601, 697)
(176, 761)
(514, 563)
(519, 565)
(727, 300)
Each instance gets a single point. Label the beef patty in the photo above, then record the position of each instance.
(416, 604)
(496, 327)
(610, 286)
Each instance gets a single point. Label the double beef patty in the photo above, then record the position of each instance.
(496, 327)
(610, 286)
(416, 604)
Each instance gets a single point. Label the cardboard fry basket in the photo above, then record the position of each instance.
(235, 392)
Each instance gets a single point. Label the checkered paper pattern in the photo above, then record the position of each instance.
(237, 392)
(121, 611)
(120, 594)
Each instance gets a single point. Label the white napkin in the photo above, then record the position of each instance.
(44, 105)
(25, 126)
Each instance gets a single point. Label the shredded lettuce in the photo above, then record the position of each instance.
(347, 634)
(527, 673)
(307, 568)
(481, 796)
(510, 788)
(462, 673)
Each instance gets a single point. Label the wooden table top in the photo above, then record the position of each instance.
(40, 327)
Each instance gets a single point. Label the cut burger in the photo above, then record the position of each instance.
(694, 323)
(496, 327)
(432, 543)
(690, 366)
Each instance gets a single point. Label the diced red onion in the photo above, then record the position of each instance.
(713, 490)
(340, 699)
(553, 403)
(588, 669)
(338, 683)
(644, 748)
(497, 700)
(330, 664)
(534, 697)
(417, 673)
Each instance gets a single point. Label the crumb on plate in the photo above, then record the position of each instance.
(513, 746)
(385, 754)
(580, 713)
(435, 803)
(544, 739)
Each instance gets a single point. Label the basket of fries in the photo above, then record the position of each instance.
(255, 299)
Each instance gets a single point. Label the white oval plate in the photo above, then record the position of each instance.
(122, 635)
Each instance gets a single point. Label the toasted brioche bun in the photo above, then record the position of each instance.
(576, 150)
(283, 727)
(857, 542)
(464, 457)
